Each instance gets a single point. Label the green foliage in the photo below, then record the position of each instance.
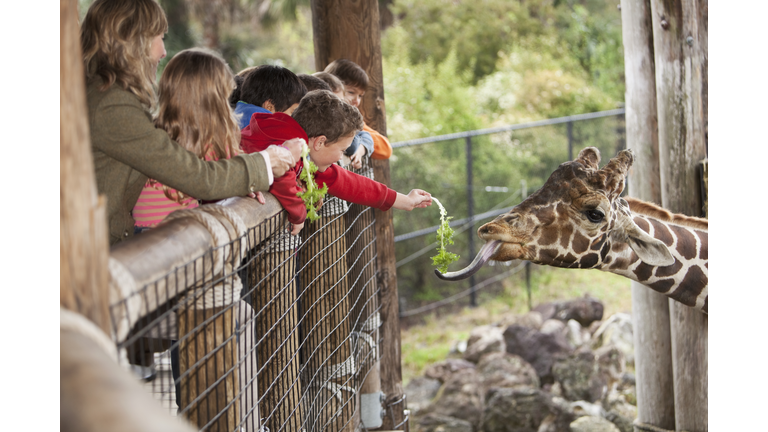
(313, 194)
(444, 237)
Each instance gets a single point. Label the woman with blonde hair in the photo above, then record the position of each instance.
(122, 43)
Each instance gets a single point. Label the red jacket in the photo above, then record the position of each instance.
(274, 129)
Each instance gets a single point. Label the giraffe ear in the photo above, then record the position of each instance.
(650, 250)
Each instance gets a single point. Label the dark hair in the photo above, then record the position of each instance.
(320, 112)
(272, 83)
(332, 80)
(235, 95)
(349, 73)
(314, 83)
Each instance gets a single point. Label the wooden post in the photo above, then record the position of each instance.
(325, 301)
(650, 310)
(275, 302)
(208, 353)
(84, 246)
(350, 29)
(679, 36)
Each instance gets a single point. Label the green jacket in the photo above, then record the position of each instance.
(127, 148)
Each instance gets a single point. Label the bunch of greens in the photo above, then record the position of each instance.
(444, 237)
(313, 194)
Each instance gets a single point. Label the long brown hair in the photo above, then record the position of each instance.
(116, 38)
(193, 106)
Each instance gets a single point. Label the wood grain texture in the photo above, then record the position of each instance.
(350, 29)
(83, 240)
(207, 353)
(680, 53)
(650, 311)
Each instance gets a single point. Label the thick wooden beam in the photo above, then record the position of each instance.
(350, 29)
(650, 310)
(84, 246)
(679, 36)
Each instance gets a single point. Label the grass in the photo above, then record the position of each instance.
(431, 339)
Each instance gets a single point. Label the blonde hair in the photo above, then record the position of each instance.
(116, 38)
(193, 106)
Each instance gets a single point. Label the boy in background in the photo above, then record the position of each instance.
(312, 82)
(362, 145)
(328, 124)
(355, 84)
(268, 89)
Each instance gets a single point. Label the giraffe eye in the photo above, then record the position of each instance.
(595, 215)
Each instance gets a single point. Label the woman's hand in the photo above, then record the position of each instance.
(258, 196)
(295, 146)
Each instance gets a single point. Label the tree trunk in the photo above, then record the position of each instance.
(680, 54)
(650, 310)
(347, 29)
(84, 245)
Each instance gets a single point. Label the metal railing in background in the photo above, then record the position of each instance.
(466, 223)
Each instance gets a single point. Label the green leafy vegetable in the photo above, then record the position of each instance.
(313, 194)
(444, 237)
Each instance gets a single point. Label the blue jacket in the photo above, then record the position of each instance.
(361, 138)
(247, 110)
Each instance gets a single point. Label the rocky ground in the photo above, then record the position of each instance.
(560, 367)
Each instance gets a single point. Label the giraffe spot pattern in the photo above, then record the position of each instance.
(703, 236)
(686, 242)
(548, 237)
(580, 243)
(643, 224)
(604, 252)
(565, 236)
(589, 260)
(661, 232)
(663, 285)
(643, 272)
(598, 242)
(691, 286)
(669, 270)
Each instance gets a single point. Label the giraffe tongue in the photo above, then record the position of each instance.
(486, 252)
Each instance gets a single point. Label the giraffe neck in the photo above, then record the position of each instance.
(686, 280)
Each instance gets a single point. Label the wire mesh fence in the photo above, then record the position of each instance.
(265, 332)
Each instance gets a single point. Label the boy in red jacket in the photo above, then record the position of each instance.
(328, 124)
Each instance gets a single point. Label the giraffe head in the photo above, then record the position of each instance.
(572, 221)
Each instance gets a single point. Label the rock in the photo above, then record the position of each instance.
(461, 397)
(537, 348)
(532, 319)
(442, 370)
(579, 376)
(617, 331)
(421, 391)
(593, 424)
(504, 370)
(576, 335)
(518, 410)
(611, 365)
(622, 415)
(441, 423)
(582, 408)
(584, 310)
(553, 326)
(483, 340)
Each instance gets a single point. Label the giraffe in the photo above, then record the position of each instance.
(578, 220)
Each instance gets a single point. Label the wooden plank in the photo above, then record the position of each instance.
(679, 36)
(84, 248)
(650, 310)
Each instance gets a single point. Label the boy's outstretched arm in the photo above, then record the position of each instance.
(417, 198)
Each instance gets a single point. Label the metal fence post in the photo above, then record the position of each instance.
(470, 216)
(570, 141)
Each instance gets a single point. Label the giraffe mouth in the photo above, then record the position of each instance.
(486, 252)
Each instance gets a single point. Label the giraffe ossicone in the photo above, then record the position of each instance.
(579, 220)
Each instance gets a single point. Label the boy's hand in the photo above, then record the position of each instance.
(281, 160)
(295, 146)
(417, 198)
(357, 157)
(295, 228)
